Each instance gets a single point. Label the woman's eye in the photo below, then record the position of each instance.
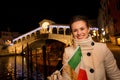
(81, 28)
(74, 30)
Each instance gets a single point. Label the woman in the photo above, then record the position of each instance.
(99, 62)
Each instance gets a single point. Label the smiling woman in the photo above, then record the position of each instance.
(86, 59)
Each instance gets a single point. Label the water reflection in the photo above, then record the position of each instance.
(11, 71)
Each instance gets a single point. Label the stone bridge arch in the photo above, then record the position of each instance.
(39, 42)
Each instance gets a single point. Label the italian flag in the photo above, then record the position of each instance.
(76, 63)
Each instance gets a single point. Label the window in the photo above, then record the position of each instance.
(61, 31)
(54, 30)
(68, 31)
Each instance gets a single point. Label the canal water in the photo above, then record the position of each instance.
(35, 64)
(15, 68)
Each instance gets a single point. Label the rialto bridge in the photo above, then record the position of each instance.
(38, 36)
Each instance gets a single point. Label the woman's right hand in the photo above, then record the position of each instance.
(56, 76)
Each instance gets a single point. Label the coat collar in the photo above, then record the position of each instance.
(85, 43)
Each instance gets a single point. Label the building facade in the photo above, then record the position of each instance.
(7, 36)
(109, 20)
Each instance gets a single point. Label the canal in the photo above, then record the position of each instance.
(39, 63)
(35, 64)
(15, 68)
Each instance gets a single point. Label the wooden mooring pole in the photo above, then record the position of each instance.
(44, 62)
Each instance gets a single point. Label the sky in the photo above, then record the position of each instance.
(25, 19)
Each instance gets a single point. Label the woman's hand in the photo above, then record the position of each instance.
(56, 76)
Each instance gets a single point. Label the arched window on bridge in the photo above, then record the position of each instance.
(54, 30)
(33, 34)
(15, 42)
(23, 38)
(61, 31)
(19, 40)
(38, 34)
(28, 36)
(67, 32)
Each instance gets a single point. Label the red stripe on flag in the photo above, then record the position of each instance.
(82, 75)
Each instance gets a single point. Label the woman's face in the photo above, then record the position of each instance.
(80, 30)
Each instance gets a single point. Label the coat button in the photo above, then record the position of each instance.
(92, 70)
(92, 43)
(88, 54)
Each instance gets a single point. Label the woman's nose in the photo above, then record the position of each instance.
(78, 32)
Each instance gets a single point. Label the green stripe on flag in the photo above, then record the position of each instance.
(75, 59)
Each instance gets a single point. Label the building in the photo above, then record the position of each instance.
(7, 36)
(109, 21)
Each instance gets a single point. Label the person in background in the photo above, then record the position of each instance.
(86, 59)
